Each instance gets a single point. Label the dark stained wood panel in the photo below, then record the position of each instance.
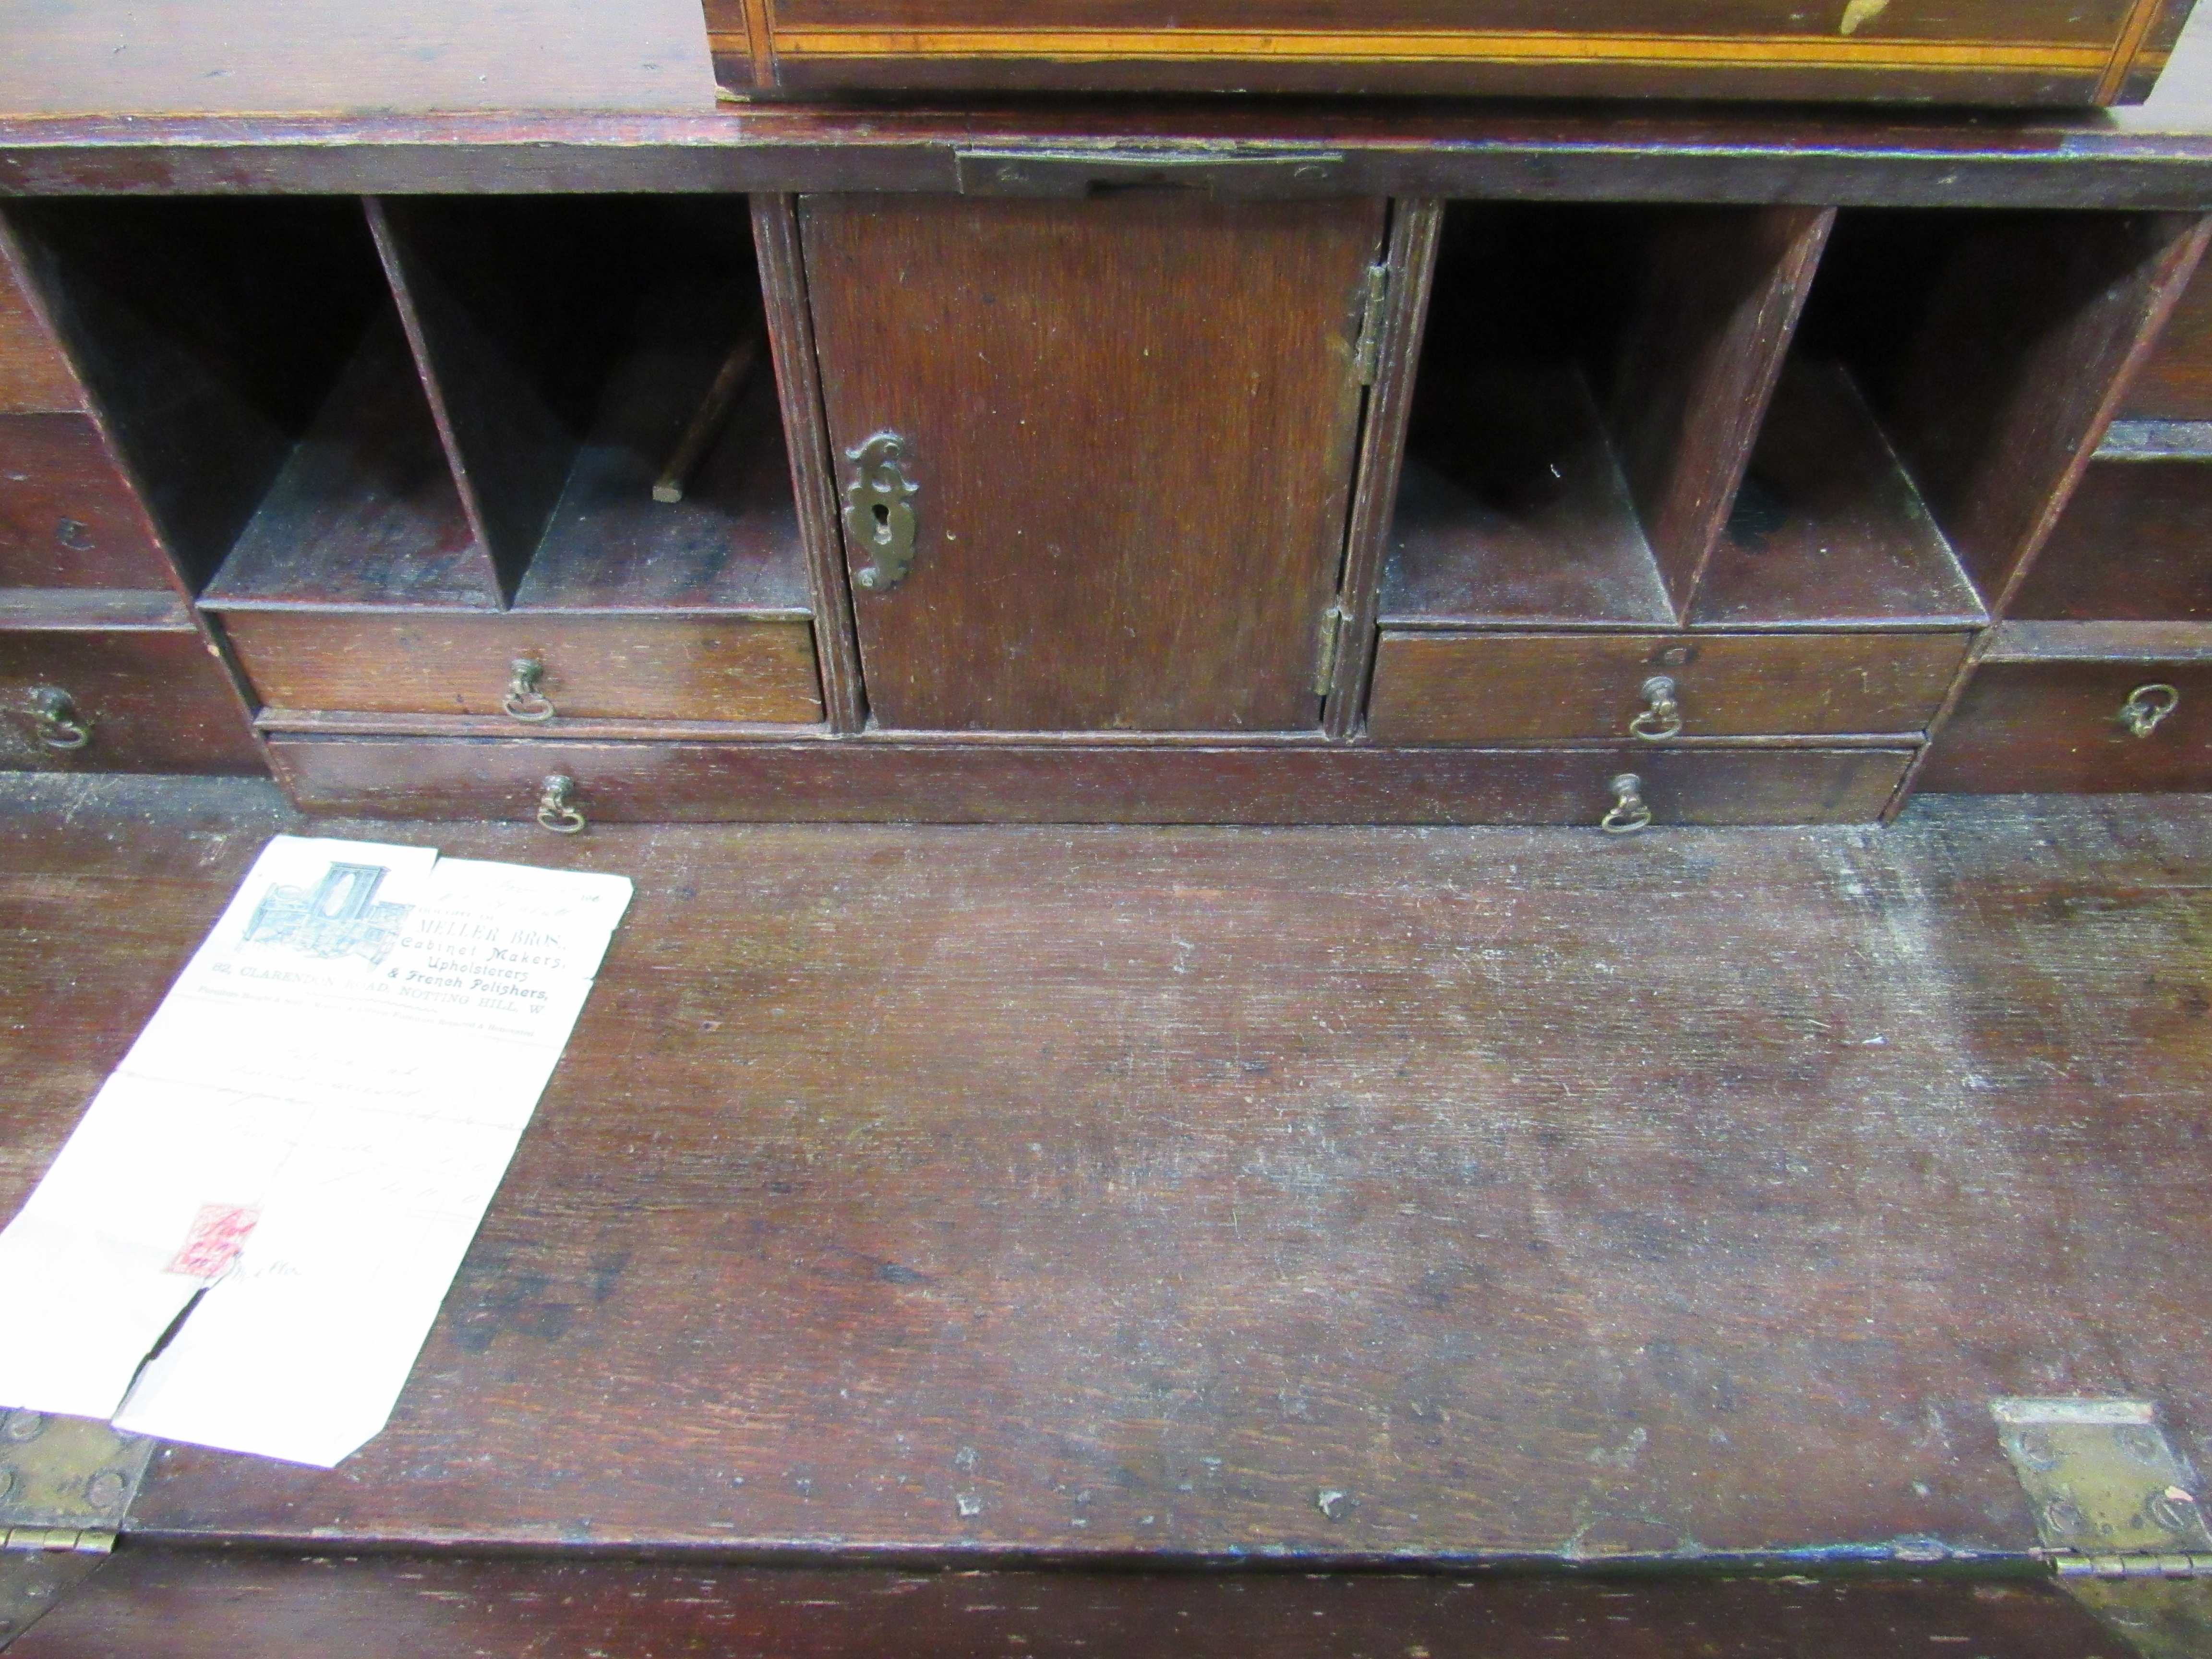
(1721, 291)
(2134, 542)
(153, 700)
(2175, 383)
(66, 517)
(638, 667)
(1532, 1189)
(1477, 688)
(35, 379)
(1826, 529)
(164, 1604)
(902, 780)
(1131, 421)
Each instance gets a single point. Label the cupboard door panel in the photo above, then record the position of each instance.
(1130, 423)
(67, 518)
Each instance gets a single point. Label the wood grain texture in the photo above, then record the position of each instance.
(621, 667)
(35, 379)
(1721, 289)
(1134, 464)
(2175, 382)
(160, 1604)
(2134, 543)
(66, 517)
(1826, 529)
(2033, 330)
(2056, 726)
(1537, 1191)
(156, 701)
(1067, 783)
(1475, 688)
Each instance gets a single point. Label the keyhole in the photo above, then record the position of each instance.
(883, 522)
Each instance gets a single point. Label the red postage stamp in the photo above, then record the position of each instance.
(218, 1233)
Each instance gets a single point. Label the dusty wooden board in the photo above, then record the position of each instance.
(160, 1604)
(1375, 1194)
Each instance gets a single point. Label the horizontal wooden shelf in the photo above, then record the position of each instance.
(2100, 641)
(112, 609)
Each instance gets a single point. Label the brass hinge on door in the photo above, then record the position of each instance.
(2116, 1509)
(65, 1484)
(1332, 629)
(1375, 294)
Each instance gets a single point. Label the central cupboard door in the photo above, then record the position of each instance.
(1126, 429)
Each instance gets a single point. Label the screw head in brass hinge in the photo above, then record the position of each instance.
(65, 1484)
(1375, 294)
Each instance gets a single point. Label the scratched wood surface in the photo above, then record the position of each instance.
(1375, 1194)
(160, 1604)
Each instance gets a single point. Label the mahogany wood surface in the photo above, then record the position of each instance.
(1091, 1193)
(1827, 530)
(1721, 290)
(1572, 152)
(636, 667)
(1476, 688)
(2055, 725)
(2134, 542)
(1132, 421)
(35, 379)
(170, 1604)
(1042, 779)
(2175, 384)
(66, 517)
(156, 701)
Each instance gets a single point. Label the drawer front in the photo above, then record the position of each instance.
(67, 518)
(867, 781)
(35, 379)
(1506, 688)
(2006, 50)
(143, 701)
(2057, 726)
(608, 667)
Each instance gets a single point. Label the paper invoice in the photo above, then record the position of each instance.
(297, 1152)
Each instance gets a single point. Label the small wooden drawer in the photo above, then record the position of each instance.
(66, 518)
(2061, 726)
(34, 377)
(139, 700)
(1545, 687)
(609, 667)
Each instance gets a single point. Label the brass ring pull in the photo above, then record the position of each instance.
(1662, 717)
(524, 700)
(2146, 705)
(54, 714)
(1629, 812)
(557, 806)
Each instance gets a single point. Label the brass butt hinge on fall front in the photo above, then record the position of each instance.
(2118, 1513)
(65, 1484)
(1367, 356)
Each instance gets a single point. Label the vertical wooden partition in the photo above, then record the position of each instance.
(1127, 424)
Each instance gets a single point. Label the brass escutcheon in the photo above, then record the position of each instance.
(1661, 717)
(54, 714)
(524, 700)
(556, 806)
(879, 514)
(2146, 705)
(1628, 812)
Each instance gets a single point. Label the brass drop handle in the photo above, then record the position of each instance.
(54, 715)
(556, 806)
(879, 512)
(1662, 715)
(524, 701)
(1629, 811)
(2146, 705)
